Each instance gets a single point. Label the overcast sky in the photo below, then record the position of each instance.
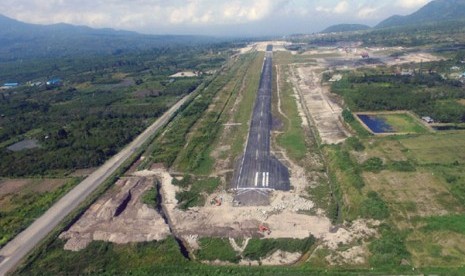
(209, 17)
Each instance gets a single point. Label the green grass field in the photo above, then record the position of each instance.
(293, 137)
(440, 148)
(404, 123)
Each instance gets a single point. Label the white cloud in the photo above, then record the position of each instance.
(133, 13)
(367, 12)
(410, 4)
(207, 16)
(340, 8)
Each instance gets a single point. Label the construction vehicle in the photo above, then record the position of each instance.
(262, 228)
(216, 201)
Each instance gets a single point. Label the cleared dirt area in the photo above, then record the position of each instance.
(287, 216)
(185, 74)
(14, 186)
(119, 216)
(324, 112)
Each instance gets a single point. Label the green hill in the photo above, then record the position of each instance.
(21, 40)
(340, 28)
(434, 11)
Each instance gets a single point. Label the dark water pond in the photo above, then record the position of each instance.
(451, 127)
(25, 144)
(376, 124)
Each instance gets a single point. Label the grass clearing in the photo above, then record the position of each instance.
(404, 123)
(104, 258)
(402, 189)
(196, 156)
(212, 249)
(441, 248)
(293, 138)
(20, 207)
(259, 248)
(439, 148)
(197, 191)
(150, 197)
(346, 178)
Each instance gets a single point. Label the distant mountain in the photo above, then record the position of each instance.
(20, 40)
(434, 11)
(345, 28)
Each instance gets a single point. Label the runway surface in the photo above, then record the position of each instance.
(258, 171)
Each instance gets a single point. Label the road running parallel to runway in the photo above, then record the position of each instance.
(15, 250)
(258, 171)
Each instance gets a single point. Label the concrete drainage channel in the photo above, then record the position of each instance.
(161, 210)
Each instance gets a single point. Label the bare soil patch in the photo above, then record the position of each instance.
(82, 172)
(324, 112)
(287, 216)
(15, 186)
(119, 216)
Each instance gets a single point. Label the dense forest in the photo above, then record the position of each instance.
(426, 92)
(102, 104)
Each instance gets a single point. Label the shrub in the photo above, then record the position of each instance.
(389, 250)
(374, 164)
(348, 116)
(402, 166)
(259, 248)
(355, 144)
(374, 207)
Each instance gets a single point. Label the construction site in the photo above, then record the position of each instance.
(273, 212)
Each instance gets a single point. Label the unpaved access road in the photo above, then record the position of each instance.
(19, 247)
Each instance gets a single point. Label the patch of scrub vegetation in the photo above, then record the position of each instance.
(355, 144)
(373, 164)
(104, 258)
(196, 191)
(354, 124)
(203, 136)
(293, 137)
(212, 249)
(374, 207)
(150, 196)
(20, 210)
(401, 166)
(454, 223)
(389, 250)
(439, 148)
(345, 176)
(260, 248)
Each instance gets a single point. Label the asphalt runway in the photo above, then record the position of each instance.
(258, 172)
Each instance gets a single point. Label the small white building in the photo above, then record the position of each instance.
(427, 119)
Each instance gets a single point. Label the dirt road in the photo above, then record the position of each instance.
(19, 247)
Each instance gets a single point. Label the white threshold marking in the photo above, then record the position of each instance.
(256, 178)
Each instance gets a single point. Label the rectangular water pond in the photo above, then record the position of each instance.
(395, 122)
(376, 123)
